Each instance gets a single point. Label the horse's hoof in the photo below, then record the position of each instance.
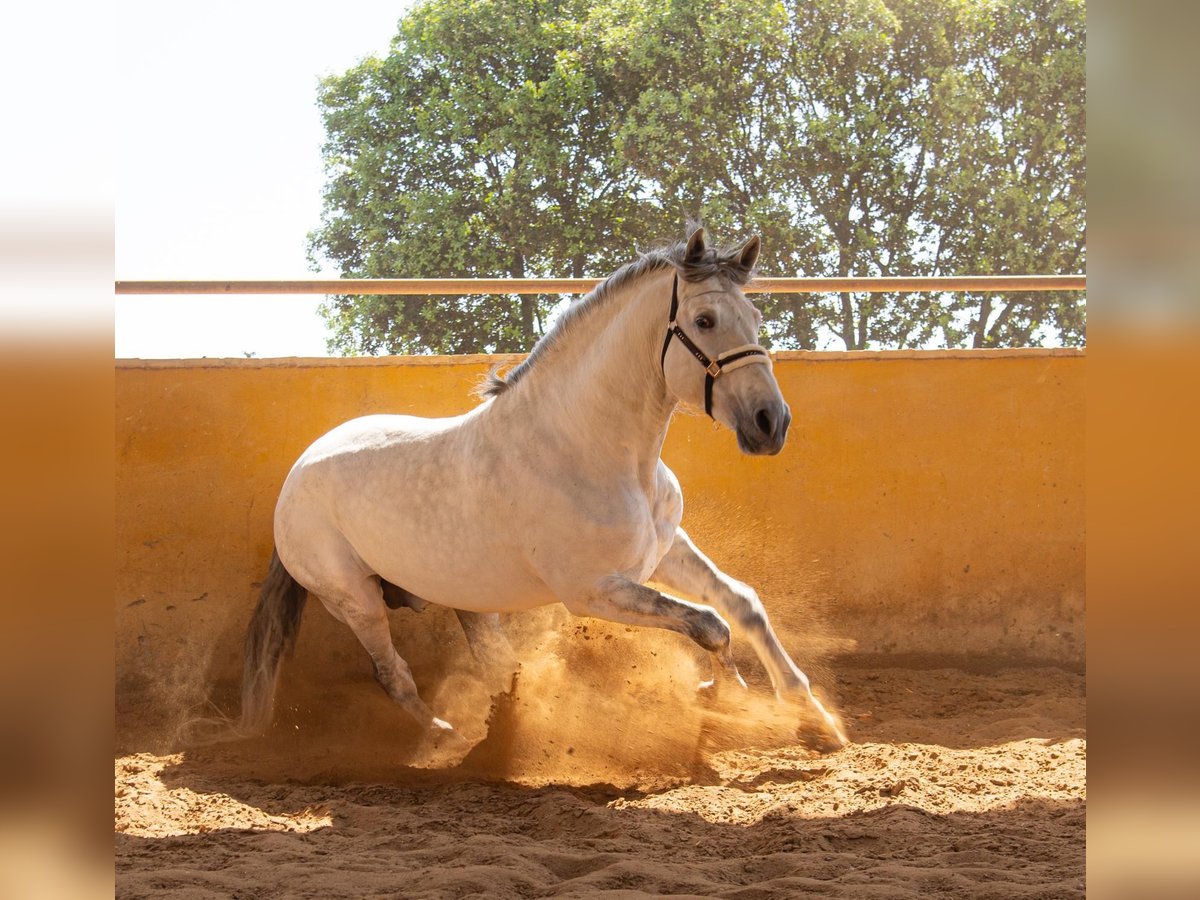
(827, 742)
(706, 692)
(443, 746)
(727, 687)
(823, 738)
(444, 736)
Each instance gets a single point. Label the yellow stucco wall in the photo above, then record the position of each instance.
(926, 502)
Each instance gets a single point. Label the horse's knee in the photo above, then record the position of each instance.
(709, 630)
(700, 623)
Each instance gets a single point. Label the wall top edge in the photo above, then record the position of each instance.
(812, 356)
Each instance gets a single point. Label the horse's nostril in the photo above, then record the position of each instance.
(762, 419)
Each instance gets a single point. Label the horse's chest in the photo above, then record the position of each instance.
(619, 533)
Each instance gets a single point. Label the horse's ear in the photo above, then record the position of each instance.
(748, 255)
(695, 247)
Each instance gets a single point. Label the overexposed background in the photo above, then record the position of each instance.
(218, 164)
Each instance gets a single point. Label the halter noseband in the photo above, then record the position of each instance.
(747, 354)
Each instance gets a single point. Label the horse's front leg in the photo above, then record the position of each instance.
(619, 599)
(686, 569)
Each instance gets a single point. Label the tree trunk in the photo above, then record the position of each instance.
(847, 319)
(848, 330)
(528, 304)
(985, 312)
(804, 330)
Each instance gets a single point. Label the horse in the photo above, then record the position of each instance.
(551, 490)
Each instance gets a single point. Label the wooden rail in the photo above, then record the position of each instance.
(460, 286)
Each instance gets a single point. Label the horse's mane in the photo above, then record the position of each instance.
(714, 261)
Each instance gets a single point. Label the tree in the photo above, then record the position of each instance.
(480, 146)
(1008, 187)
(859, 137)
(707, 124)
(864, 138)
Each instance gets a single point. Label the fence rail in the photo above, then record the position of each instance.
(428, 286)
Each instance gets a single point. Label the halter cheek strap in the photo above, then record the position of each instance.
(746, 355)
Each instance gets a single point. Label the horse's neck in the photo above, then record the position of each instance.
(601, 393)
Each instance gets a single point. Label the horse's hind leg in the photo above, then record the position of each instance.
(686, 569)
(489, 644)
(358, 602)
(392, 672)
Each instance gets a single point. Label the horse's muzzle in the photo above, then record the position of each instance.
(763, 431)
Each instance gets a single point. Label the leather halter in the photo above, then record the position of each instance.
(746, 355)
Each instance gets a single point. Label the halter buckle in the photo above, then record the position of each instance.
(713, 368)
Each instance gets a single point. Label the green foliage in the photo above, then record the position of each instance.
(859, 137)
(479, 147)
(1008, 184)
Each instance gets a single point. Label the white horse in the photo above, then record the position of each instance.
(550, 491)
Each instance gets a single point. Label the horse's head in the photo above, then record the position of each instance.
(711, 358)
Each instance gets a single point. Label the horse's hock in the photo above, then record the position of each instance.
(926, 504)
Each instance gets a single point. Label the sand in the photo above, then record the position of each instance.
(959, 783)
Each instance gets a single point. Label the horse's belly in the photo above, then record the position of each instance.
(464, 584)
(444, 556)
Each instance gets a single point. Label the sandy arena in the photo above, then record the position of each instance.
(960, 782)
(919, 545)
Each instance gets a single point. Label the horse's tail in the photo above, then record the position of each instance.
(271, 635)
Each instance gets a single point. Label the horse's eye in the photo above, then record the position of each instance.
(704, 322)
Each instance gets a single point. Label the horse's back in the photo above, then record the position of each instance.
(375, 460)
(370, 434)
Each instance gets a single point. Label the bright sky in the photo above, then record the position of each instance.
(219, 163)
